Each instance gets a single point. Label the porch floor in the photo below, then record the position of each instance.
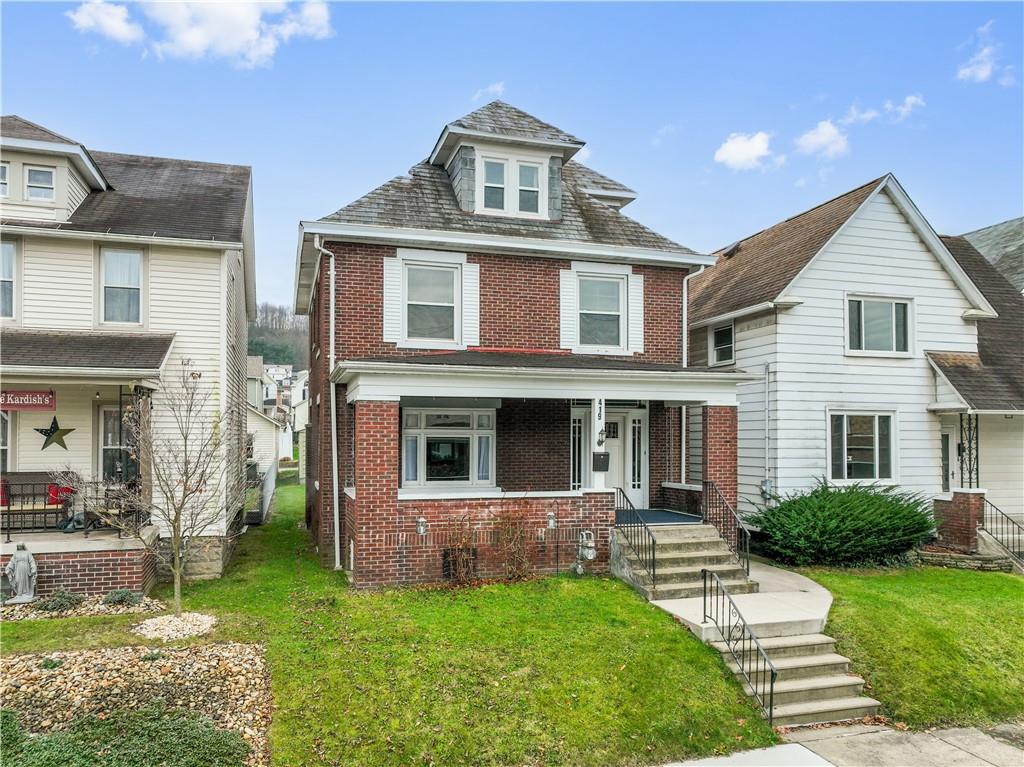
(663, 517)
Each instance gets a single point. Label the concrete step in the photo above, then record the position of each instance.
(699, 558)
(690, 590)
(690, 575)
(789, 646)
(816, 688)
(696, 545)
(802, 666)
(669, 533)
(830, 710)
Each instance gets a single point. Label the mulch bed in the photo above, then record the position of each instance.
(226, 682)
(91, 606)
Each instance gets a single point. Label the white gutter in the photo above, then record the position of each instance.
(748, 310)
(77, 372)
(334, 412)
(767, 421)
(686, 316)
(45, 231)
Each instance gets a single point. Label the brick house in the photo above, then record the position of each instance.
(492, 339)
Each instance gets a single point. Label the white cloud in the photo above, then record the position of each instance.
(984, 63)
(824, 139)
(857, 115)
(1008, 78)
(245, 33)
(583, 155)
(748, 151)
(106, 19)
(494, 90)
(661, 134)
(902, 111)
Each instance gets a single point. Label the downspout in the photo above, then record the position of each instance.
(686, 316)
(334, 408)
(766, 486)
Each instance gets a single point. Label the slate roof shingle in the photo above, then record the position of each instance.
(13, 126)
(1003, 246)
(83, 349)
(504, 119)
(588, 178)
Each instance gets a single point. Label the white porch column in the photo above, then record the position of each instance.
(597, 480)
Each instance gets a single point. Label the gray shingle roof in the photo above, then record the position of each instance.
(1003, 245)
(425, 200)
(504, 119)
(13, 126)
(83, 349)
(588, 178)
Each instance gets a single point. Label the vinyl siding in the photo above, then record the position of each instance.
(77, 189)
(755, 347)
(236, 343)
(1001, 450)
(265, 438)
(59, 283)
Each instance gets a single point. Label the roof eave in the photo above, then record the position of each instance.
(77, 153)
(452, 134)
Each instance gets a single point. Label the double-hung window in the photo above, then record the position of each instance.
(432, 302)
(511, 185)
(443, 448)
(39, 183)
(7, 258)
(721, 344)
(494, 184)
(861, 446)
(878, 325)
(5, 170)
(602, 314)
(529, 187)
(122, 285)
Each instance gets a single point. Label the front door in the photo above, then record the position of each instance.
(614, 445)
(625, 441)
(948, 465)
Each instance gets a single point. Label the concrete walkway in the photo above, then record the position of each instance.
(875, 746)
(787, 603)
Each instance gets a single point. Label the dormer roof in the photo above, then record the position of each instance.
(13, 126)
(503, 123)
(18, 133)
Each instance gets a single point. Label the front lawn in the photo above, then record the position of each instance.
(557, 671)
(940, 647)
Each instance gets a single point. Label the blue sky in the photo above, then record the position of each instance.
(725, 118)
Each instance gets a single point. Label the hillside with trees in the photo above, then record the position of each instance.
(280, 336)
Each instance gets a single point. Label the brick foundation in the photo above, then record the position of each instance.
(957, 520)
(93, 572)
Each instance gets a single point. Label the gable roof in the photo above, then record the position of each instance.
(425, 200)
(13, 126)
(1003, 246)
(503, 119)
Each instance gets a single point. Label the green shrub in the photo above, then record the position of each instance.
(51, 663)
(59, 601)
(849, 525)
(11, 734)
(122, 597)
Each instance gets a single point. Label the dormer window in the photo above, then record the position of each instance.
(529, 188)
(511, 184)
(5, 168)
(39, 184)
(494, 184)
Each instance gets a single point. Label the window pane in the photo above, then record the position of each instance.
(723, 354)
(111, 432)
(599, 295)
(122, 268)
(431, 322)
(599, 329)
(412, 420)
(434, 286)
(7, 261)
(723, 337)
(447, 459)
(856, 342)
(838, 457)
(3, 189)
(528, 176)
(901, 328)
(4, 420)
(884, 447)
(6, 298)
(120, 305)
(40, 177)
(529, 202)
(449, 421)
(494, 197)
(411, 459)
(494, 173)
(39, 193)
(483, 459)
(877, 326)
(483, 422)
(860, 447)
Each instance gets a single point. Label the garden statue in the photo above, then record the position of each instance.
(21, 573)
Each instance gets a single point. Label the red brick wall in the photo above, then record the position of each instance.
(532, 444)
(719, 463)
(376, 485)
(664, 449)
(957, 521)
(93, 572)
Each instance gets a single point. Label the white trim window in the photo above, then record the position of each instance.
(432, 302)
(495, 171)
(8, 264)
(448, 448)
(5, 178)
(601, 320)
(877, 325)
(121, 288)
(6, 433)
(529, 187)
(861, 446)
(601, 309)
(722, 344)
(511, 184)
(40, 183)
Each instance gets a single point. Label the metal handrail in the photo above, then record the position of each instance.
(1005, 529)
(716, 510)
(637, 533)
(741, 641)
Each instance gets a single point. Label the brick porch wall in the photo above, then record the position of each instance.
(957, 520)
(93, 572)
(532, 444)
(719, 463)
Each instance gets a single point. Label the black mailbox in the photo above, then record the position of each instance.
(600, 462)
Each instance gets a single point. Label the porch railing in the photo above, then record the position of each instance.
(39, 507)
(716, 510)
(1005, 529)
(637, 533)
(741, 641)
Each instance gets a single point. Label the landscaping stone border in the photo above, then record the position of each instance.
(957, 561)
(91, 606)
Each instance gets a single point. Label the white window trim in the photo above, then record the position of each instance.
(599, 269)
(53, 185)
(15, 282)
(893, 446)
(431, 260)
(141, 288)
(6, 168)
(712, 362)
(422, 433)
(622, 282)
(504, 184)
(911, 325)
(12, 432)
(512, 161)
(101, 446)
(520, 188)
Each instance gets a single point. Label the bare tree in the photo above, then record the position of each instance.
(180, 447)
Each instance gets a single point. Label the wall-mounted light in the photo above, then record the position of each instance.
(600, 437)
(97, 395)
(421, 526)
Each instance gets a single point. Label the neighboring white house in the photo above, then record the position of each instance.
(889, 354)
(116, 268)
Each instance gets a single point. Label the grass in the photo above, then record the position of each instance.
(939, 647)
(556, 671)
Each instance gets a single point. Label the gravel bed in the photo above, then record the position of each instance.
(226, 682)
(170, 627)
(91, 606)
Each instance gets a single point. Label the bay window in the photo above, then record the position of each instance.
(442, 448)
(861, 446)
(122, 285)
(878, 325)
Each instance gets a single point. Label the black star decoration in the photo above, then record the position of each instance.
(54, 434)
